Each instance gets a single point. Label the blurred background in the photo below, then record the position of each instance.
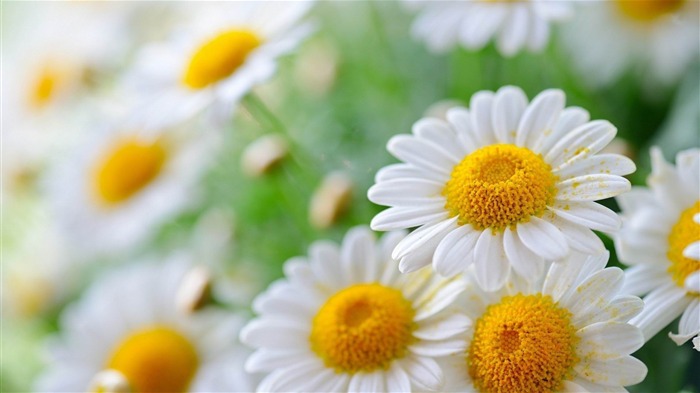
(324, 117)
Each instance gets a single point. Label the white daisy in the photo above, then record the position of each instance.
(660, 239)
(656, 39)
(568, 332)
(122, 181)
(346, 320)
(128, 322)
(511, 182)
(473, 23)
(223, 52)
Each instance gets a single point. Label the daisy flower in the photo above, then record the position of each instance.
(514, 25)
(511, 182)
(660, 239)
(568, 332)
(222, 53)
(346, 320)
(657, 39)
(127, 322)
(122, 181)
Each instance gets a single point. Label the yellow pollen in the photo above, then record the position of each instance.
(499, 186)
(219, 57)
(156, 360)
(648, 10)
(129, 167)
(525, 343)
(684, 232)
(363, 328)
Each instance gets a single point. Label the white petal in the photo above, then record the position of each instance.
(613, 164)
(620, 309)
(292, 378)
(406, 171)
(425, 373)
(589, 214)
(491, 263)
(569, 119)
(570, 387)
(357, 255)
(460, 119)
(661, 307)
(456, 251)
(421, 154)
(689, 324)
(438, 348)
(525, 262)
(543, 238)
(441, 134)
(641, 279)
(692, 251)
(608, 340)
(616, 372)
(435, 300)
(595, 291)
(580, 143)
(514, 33)
(423, 235)
(578, 237)
(363, 382)
(508, 107)
(481, 25)
(482, 130)
(592, 187)
(269, 360)
(692, 282)
(561, 279)
(325, 262)
(403, 217)
(274, 333)
(397, 380)
(540, 116)
(409, 192)
(444, 327)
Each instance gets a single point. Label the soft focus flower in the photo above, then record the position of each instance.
(122, 181)
(660, 239)
(568, 332)
(473, 23)
(128, 322)
(346, 320)
(503, 184)
(224, 51)
(656, 39)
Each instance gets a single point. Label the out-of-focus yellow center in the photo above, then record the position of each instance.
(127, 168)
(363, 328)
(648, 10)
(219, 57)
(156, 360)
(684, 232)
(45, 87)
(525, 343)
(499, 186)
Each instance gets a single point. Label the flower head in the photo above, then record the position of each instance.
(503, 184)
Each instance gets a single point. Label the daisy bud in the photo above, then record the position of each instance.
(195, 290)
(263, 154)
(330, 200)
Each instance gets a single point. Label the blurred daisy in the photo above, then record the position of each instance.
(128, 323)
(660, 238)
(511, 182)
(658, 39)
(473, 23)
(226, 50)
(122, 182)
(567, 333)
(346, 320)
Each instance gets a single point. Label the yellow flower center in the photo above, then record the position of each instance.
(45, 87)
(648, 10)
(129, 167)
(525, 343)
(684, 232)
(219, 57)
(499, 186)
(363, 328)
(156, 360)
